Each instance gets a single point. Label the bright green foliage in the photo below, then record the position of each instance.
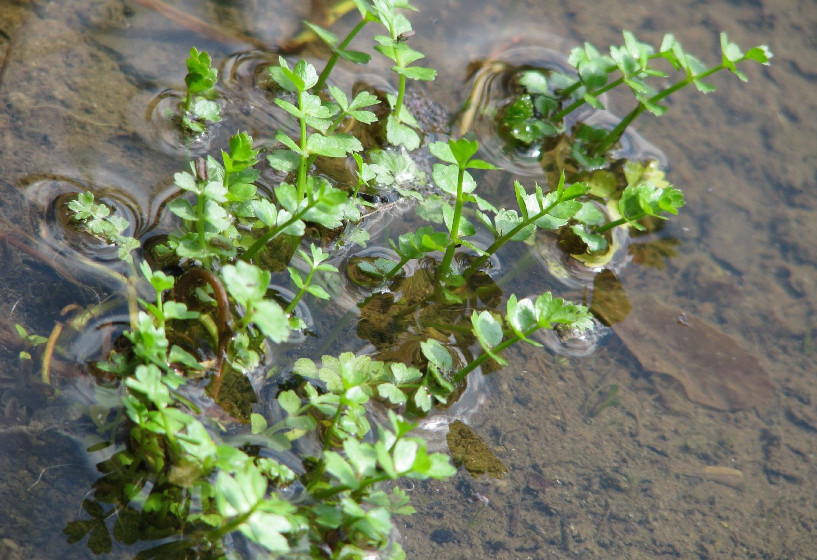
(537, 210)
(400, 125)
(199, 108)
(30, 341)
(186, 469)
(547, 99)
(223, 195)
(337, 47)
(523, 318)
(248, 285)
(99, 221)
(315, 262)
(312, 112)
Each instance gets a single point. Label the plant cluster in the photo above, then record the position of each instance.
(306, 478)
(199, 106)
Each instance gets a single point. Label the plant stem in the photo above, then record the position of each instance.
(397, 268)
(220, 532)
(300, 293)
(581, 101)
(401, 92)
(482, 358)
(303, 164)
(616, 133)
(264, 239)
(188, 100)
(621, 221)
(200, 223)
(330, 64)
(501, 240)
(335, 490)
(444, 269)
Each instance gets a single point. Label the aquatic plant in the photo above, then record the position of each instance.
(547, 98)
(305, 479)
(199, 107)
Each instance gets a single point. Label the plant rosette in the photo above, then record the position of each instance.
(495, 91)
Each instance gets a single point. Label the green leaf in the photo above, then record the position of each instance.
(230, 496)
(437, 354)
(206, 109)
(595, 242)
(391, 393)
(266, 529)
(338, 467)
(355, 57)
(487, 328)
(257, 423)
(422, 399)
(178, 310)
(362, 456)
(271, 319)
(760, 54)
(318, 291)
(416, 72)
(200, 76)
(364, 99)
(183, 209)
(290, 402)
(489, 333)
(337, 145)
(447, 176)
(147, 379)
(521, 315)
(324, 35)
(245, 282)
(404, 455)
(534, 82)
(306, 73)
(399, 134)
(462, 150)
(185, 181)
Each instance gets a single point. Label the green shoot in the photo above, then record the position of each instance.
(400, 125)
(30, 341)
(547, 99)
(198, 107)
(99, 221)
(315, 261)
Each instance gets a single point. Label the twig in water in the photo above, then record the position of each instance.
(199, 26)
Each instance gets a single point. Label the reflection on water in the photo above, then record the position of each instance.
(76, 83)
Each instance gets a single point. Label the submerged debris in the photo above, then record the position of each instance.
(712, 367)
(471, 452)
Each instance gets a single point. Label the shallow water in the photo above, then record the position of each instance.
(584, 481)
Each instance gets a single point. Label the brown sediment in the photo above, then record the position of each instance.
(12, 41)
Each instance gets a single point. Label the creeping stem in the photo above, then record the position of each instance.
(616, 133)
(196, 276)
(482, 358)
(330, 64)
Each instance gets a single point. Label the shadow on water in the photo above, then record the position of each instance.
(631, 445)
